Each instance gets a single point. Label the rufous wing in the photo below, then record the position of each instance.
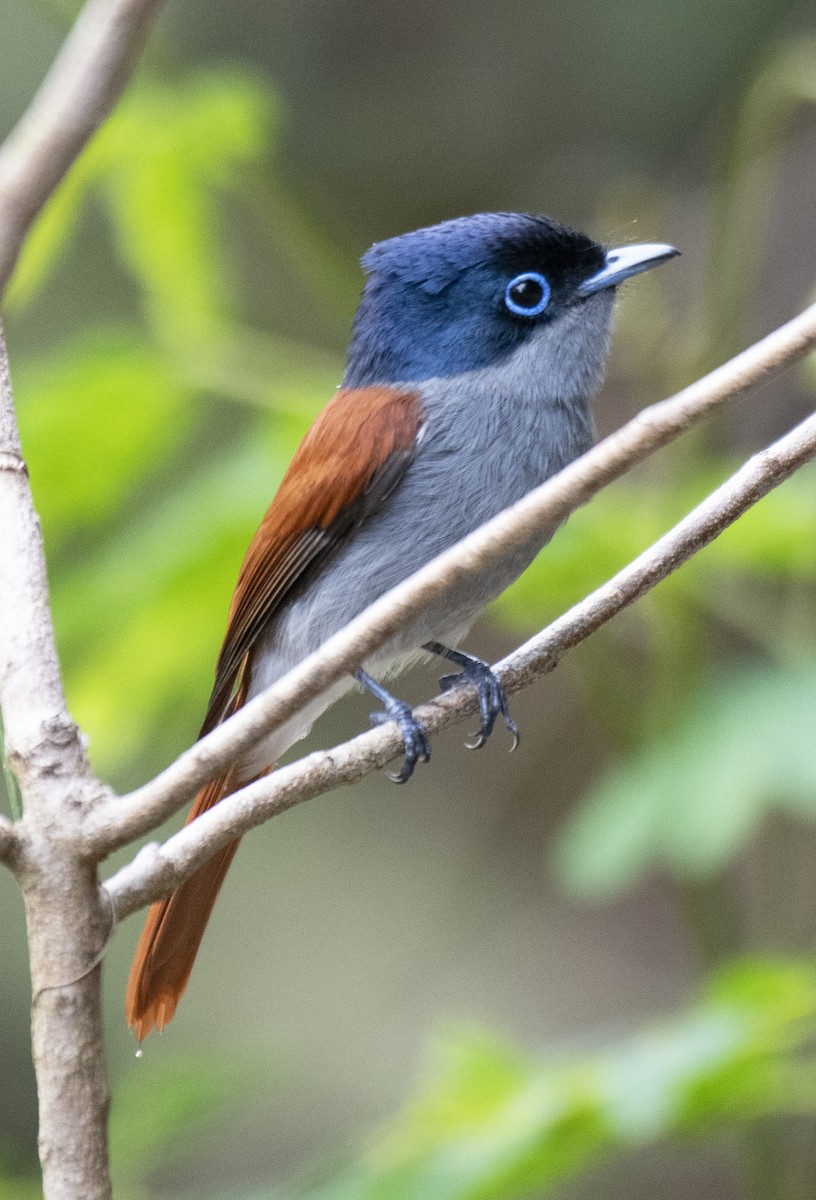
(354, 454)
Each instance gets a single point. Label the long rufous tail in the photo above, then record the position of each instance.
(173, 931)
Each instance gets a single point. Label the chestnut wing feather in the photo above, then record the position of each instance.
(352, 458)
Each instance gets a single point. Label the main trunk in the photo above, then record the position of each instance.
(67, 928)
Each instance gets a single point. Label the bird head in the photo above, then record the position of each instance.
(465, 294)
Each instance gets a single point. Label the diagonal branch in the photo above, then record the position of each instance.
(158, 869)
(76, 96)
(118, 822)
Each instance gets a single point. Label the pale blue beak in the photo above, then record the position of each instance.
(624, 262)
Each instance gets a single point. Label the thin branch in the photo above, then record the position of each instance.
(158, 869)
(76, 96)
(118, 822)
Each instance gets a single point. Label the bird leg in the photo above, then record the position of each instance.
(492, 696)
(414, 738)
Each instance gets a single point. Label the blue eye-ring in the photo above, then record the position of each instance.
(527, 295)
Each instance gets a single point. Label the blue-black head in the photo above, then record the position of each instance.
(466, 293)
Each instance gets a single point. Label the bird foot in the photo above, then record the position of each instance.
(492, 697)
(414, 738)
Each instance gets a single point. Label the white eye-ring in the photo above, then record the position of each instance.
(527, 295)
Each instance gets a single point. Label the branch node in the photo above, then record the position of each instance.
(11, 461)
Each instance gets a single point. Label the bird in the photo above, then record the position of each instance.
(476, 349)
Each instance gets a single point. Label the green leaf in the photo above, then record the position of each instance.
(159, 162)
(689, 802)
(169, 148)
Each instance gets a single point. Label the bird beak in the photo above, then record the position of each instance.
(624, 262)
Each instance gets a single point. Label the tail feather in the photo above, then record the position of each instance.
(173, 931)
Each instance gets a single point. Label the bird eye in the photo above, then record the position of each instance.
(527, 295)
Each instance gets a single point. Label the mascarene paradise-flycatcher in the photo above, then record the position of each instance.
(476, 349)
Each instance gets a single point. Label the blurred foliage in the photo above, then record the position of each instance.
(494, 1122)
(158, 163)
(165, 1104)
(108, 418)
(497, 1124)
(690, 802)
(159, 1108)
(783, 84)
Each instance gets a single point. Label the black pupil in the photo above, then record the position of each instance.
(526, 293)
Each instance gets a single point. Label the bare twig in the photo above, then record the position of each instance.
(76, 96)
(157, 869)
(119, 822)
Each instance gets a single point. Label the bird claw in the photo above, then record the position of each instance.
(492, 701)
(414, 738)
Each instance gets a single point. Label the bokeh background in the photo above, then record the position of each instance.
(584, 971)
